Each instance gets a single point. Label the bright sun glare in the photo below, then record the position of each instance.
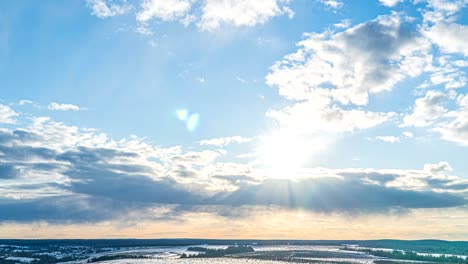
(284, 153)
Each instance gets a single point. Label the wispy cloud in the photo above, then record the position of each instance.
(224, 141)
(63, 107)
(389, 139)
(108, 8)
(332, 4)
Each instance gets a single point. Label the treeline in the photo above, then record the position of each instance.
(426, 246)
(197, 249)
(408, 255)
(114, 257)
(38, 258)
(217, 253)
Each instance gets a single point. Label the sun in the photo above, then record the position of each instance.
(286, 153)
(282, 153)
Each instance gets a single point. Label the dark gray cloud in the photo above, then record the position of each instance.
(18, 136)
(374, 176)
(447, 184)
(25, 153)
(379, 40)
(237, 180)
(60, 209)
(335, 194)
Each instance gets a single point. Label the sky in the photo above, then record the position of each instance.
(271, 119)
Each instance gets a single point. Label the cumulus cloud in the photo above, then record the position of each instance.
(368, 58)
(447, 71)
(441, 10)
(432, 111)
(7, 115)
(440, 27)
(451, 38)
(63, 107)
(329, 79)
(441, 167)
(240, 12)
(443, 112)
(108, 8)
(456, 128)
(427, 109)
(166, 10)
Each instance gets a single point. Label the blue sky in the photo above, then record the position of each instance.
(299, 92)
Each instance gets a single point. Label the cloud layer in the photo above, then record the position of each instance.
(57, 173)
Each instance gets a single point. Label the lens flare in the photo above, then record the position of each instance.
(191, 120)
(182, 114)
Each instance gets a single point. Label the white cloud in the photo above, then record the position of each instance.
(456, 130)
(451, 38)
(441, 167)
(25, 102)
(389, 139)
(240, 12)
(441, 10)
(408, 134)
(241, 79)
(390, 3)
(63, 107)
(427, 109)
(107, 8)
(332, 4)
(333, 72)
(144, 30)
(368, 58)
(309, 118)
(345, 23)
(224, 141)
(165, 10)
(433, 110)
(7, 115)
(208, 15)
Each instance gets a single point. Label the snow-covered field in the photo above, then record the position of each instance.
(193, 261)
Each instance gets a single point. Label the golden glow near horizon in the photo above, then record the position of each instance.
(265, 224)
